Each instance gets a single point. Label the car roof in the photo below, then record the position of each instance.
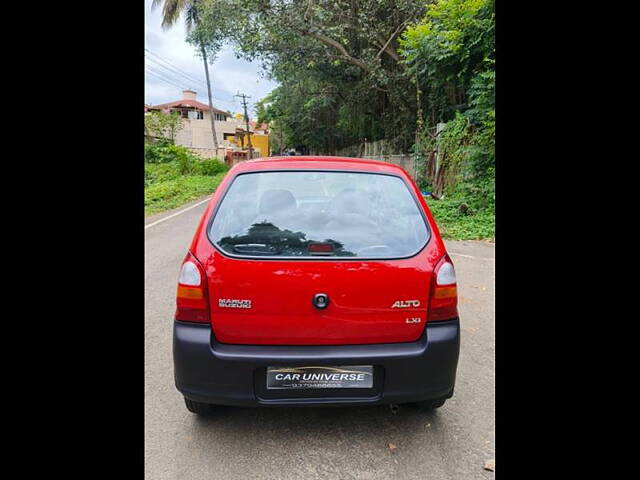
(318, 162)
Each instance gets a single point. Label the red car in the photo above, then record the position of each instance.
(316, 281)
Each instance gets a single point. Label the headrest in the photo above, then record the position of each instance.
(349, 200)
(276, 201)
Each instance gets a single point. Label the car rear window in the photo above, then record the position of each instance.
(319, 214)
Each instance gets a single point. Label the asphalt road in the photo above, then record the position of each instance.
(307, 443)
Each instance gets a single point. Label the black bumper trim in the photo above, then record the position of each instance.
(212, 372)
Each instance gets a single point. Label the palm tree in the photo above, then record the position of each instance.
(171, 12)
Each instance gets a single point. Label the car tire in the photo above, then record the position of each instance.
(199, 408)
(429, 404)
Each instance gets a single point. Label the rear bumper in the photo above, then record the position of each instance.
(211, 372)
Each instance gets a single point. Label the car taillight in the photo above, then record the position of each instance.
(444, 293)
(192, 303)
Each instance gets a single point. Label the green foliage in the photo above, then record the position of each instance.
(459, 223)
(451, 55)
(483, 98)
(341, 78)
(375, 69)
(159, 152)
(211, 166)
(163, 125)
(182, 160)
(160, 172)
(453, 145)
(270, 110)
(173, 176)
(345, 68)
(266, 110)
(165, 153)
(186, 161)
(446, 50)
(467, 163)
(210, 24)
(170, 194)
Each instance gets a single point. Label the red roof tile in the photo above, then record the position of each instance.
(259, 126)
(188, 103)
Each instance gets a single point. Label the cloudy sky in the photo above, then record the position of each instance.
(171, 66)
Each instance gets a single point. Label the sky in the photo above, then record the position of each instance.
(170, 53)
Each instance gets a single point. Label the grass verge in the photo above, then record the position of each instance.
(455, 225)
(169, 194)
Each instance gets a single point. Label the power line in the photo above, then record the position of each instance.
(172, 65)
(170, 77)
(174, 77)
(164, 79)
(183, 74)
(177, 75)
(177, 69)
(175, 81)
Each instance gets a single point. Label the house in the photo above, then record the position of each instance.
(259, 128)
(196, 132)
(191, 109)
(259, 137)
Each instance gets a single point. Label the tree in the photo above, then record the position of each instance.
(447, 49)
(451, 55)
(341, 54)
(350, 70)
(167, 125)
(171, 12)
(268, 111)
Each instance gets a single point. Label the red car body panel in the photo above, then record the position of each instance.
(362, 292)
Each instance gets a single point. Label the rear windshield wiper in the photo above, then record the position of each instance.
(255, 249)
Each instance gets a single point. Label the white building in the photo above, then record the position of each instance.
(197, 123)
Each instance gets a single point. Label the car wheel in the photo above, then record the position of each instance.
(199, 408)
(429, 404)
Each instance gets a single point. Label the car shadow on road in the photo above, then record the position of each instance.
(303, 423)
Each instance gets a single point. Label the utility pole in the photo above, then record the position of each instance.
(213, 122)
(246, 119)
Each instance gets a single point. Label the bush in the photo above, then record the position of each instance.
(187, 161)
(156, 173)
(156, 153)
(458, 220)
(163, 152)
(211, 166)
(173, 175)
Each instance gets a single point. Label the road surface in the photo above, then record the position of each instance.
(307, 443)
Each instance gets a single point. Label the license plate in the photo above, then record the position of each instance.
(360, 376)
